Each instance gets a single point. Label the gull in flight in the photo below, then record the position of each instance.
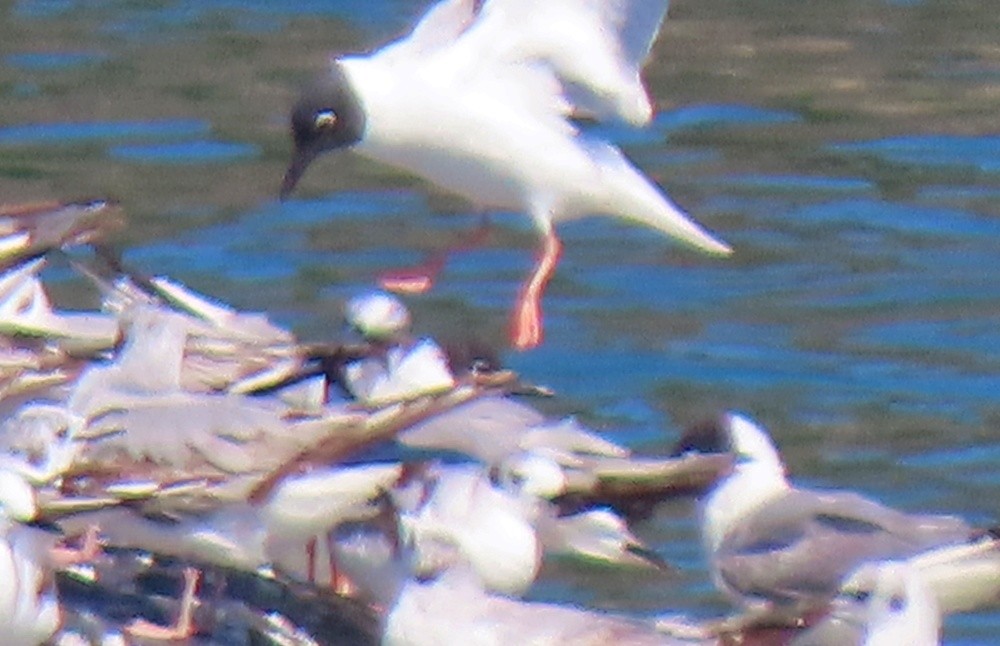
(479, 99)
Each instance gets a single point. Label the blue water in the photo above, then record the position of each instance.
(68, 133)
(50, 61)
(188, 152)
(859, 317)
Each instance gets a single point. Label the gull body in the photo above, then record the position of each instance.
(502, 142)
(455, 609)
(501, 530)
(29, 608)
(769, 541)
(478, 100)
(464, 518)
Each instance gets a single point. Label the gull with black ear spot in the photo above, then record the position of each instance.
(880, 604)
(479, 98)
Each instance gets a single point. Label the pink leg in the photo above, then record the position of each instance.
(413, 280)
(340, 583)
(89, 550)
(420, 278)
(183, 628)
(526, 327)
(311, 561)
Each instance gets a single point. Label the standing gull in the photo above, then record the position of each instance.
(29, 609)
(478, 100)
(774, 546)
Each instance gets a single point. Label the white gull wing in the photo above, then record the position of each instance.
(569, 436)
(138, 415)
(498, 430)
(597, 47)
(489, 429)
(799, 546)
(378, 316)
(963, 577)
(441, 25)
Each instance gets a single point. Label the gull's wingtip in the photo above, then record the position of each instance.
(719, 248)
(693, 235)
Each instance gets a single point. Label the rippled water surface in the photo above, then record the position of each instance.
(849, 151)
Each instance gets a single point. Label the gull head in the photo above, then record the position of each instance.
(535, 475)
(733, 433)
(17, 498)
(892, 601)
(758, 475)
(327, 116)
(378, 316)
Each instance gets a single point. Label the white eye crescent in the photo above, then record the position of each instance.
(325, 118)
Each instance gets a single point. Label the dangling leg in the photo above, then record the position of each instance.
(420, 278)
(311, 561)
(183, 628)
(340, 583)
(88, 551)
(526, 326)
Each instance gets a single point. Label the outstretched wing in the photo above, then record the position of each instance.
(638, 24)
(580, 56)
(440, 26)
(596, 47)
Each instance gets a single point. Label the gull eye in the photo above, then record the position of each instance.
(324, 119)
(480, 367)
(858, 595)
(897, 604)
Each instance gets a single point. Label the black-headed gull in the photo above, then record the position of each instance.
(477, 99)
(771, 544)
